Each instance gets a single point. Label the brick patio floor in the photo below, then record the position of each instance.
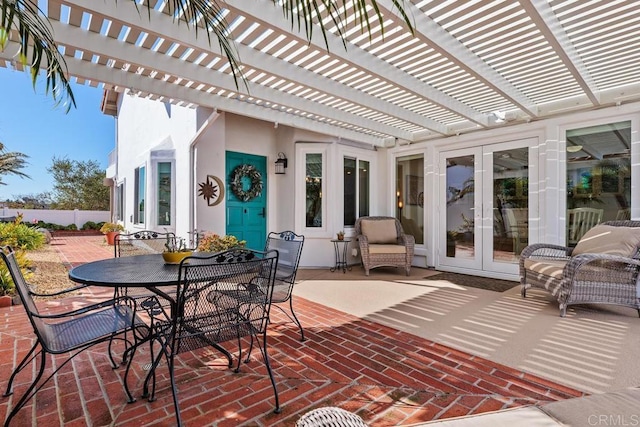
(386, 376)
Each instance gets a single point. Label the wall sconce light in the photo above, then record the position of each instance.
(281, 164)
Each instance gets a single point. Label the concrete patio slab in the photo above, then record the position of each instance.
(592, 349)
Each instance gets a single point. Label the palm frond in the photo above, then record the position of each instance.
(207, 16)
(339, 14)
(22, 21)
(11, 163)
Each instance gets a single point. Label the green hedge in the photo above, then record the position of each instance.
(89, 225)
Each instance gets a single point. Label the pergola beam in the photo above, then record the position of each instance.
(271, 17)
(168, 65)
(161, 25)
(544, 18)
(174, 92)
(444, 43)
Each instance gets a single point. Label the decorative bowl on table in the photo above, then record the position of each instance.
(175, 257)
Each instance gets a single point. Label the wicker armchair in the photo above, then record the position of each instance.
(603, 268)
(383, 243)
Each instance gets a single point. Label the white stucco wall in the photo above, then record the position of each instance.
(144, 127)
(549, 139)
(201, 137)
(229, 132)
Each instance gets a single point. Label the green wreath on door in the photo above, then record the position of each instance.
(237, 187)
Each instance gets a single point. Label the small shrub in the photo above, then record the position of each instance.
(50, 226)
(7, 287)
(89, 225)
(71, 227)
(215, 243)
(20, 236)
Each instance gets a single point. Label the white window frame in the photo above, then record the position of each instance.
(137, 221)
(119, 195)
(358, 155)
(156, 157)
(302, 149)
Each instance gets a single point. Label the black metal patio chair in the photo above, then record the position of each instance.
(217, 300)
(142, 242)
(289, 247)
(67, 332)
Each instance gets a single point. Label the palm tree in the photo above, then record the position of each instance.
(11, 163)
(24, 23)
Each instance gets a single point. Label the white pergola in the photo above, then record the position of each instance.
(469, 65)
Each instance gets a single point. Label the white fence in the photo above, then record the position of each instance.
(60, 217)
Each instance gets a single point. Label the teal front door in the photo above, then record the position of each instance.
(246, 203)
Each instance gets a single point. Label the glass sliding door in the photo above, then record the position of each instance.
(486, 209)
(460, 208)
(507, 206)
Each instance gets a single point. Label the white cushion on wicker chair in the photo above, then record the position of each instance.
(547, 267)
(606, 239)
(387, 249)
(383, 231)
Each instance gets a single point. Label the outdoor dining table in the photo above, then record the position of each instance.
(141, 271)
(137, 271)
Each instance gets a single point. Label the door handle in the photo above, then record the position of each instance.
(263, 213)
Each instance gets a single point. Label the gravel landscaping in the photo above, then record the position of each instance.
(49, 273)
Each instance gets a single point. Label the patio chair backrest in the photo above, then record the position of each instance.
(223, 297)
(367, 224)
(289, 247)
(9, 258)
(142, 242)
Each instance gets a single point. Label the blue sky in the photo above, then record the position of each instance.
(31, 124)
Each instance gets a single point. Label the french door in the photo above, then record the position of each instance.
(488, 206)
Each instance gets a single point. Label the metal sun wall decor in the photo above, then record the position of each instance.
(212, 190)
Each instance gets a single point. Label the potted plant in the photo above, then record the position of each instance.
(110, 229)
(175, 250)
(212, 242)
(340, 235)
(7, 288)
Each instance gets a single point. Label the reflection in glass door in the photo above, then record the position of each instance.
(510, 210)
(598, 177)
(487, 213)
(462, 207)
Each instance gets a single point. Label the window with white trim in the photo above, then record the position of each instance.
(313, 190)
(356, 179)
(164, 193)
(140, 182)
(119, 202)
